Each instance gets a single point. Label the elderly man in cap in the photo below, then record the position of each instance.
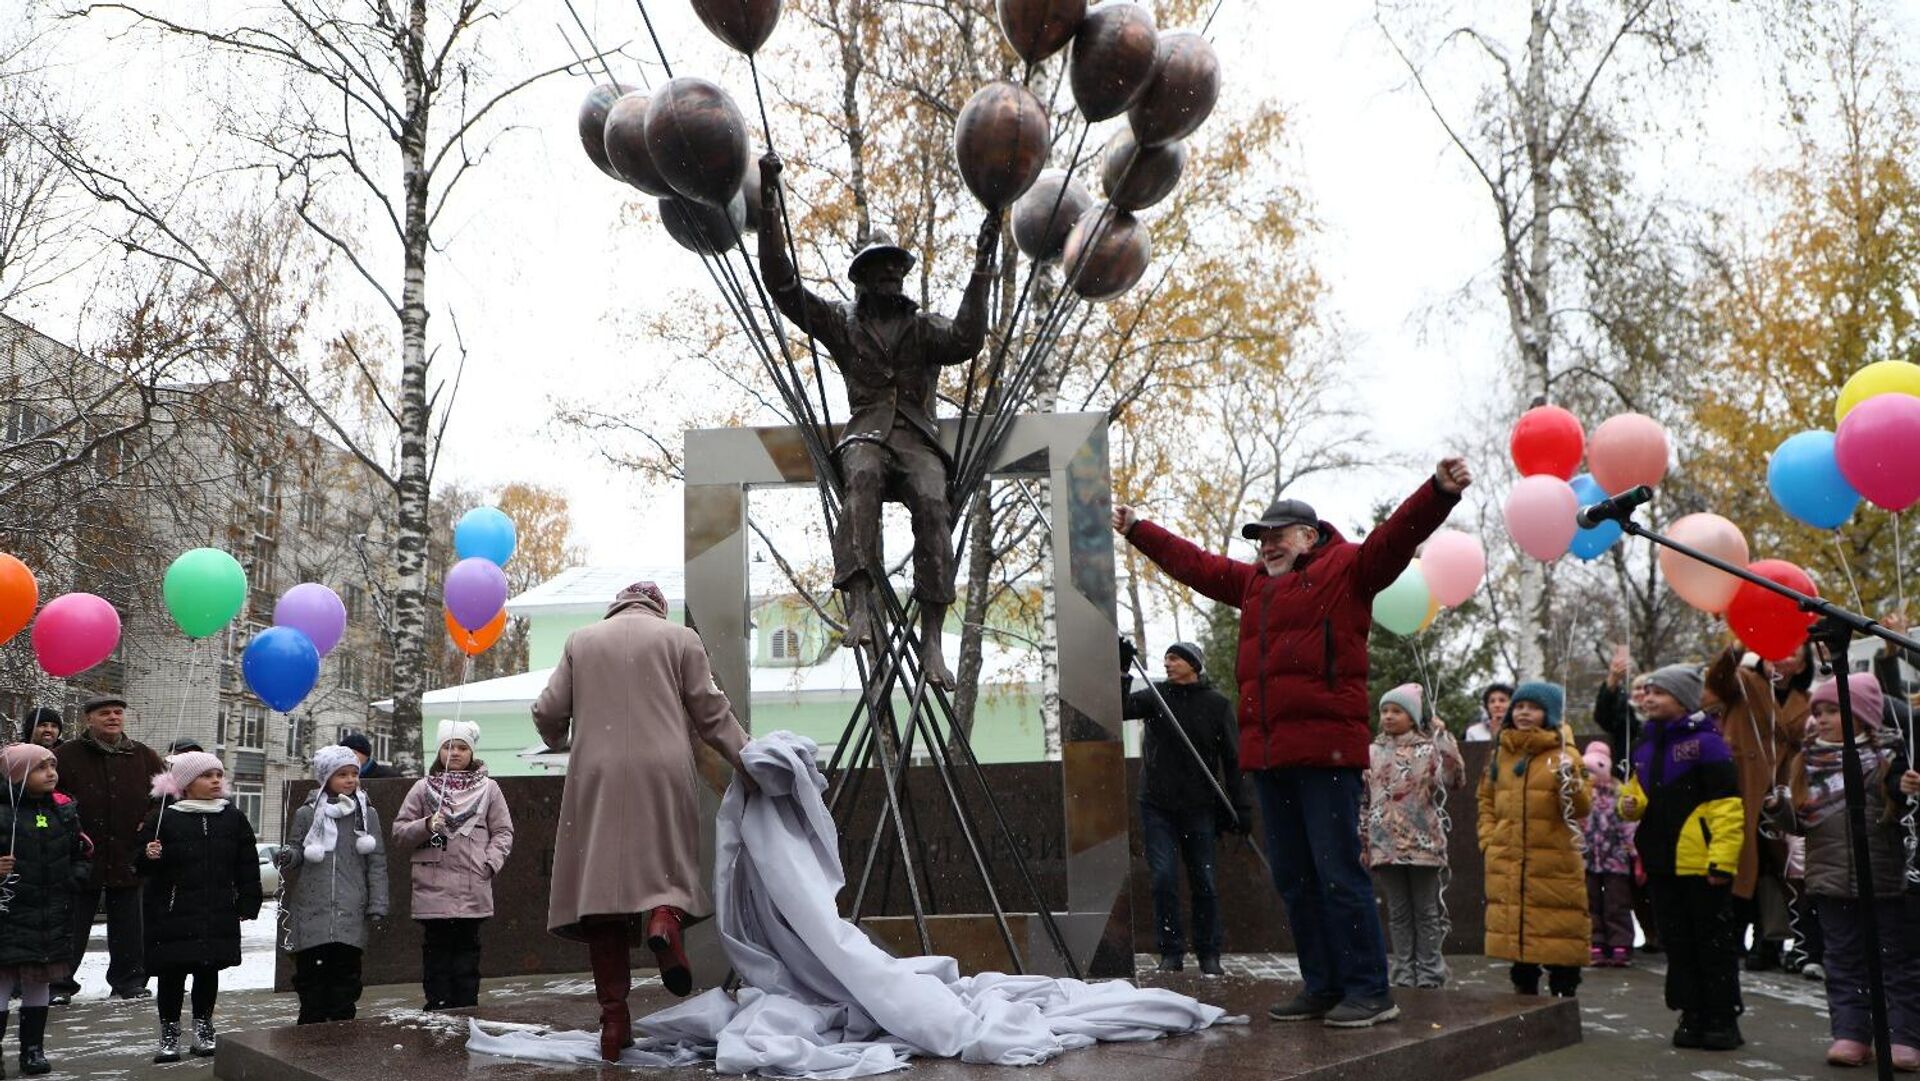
(362, 749)
(890, 353)
(1305, 607)
(110, 774)
(629, 695)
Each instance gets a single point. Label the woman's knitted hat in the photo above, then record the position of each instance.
(328, 760)
(1409, 697)
(1868, 701)
(22, 759)
(467, 732)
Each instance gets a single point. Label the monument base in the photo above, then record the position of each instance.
(1440, 1036)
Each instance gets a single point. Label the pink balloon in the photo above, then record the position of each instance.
(1627, 450)
(1878, 450)
(1696, 583)
(75, 632)
(1453, 564)
(1540, 512)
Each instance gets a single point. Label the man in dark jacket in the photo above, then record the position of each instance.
(1305, 610)
(110, 774)
(362, 748)
(1179, 810)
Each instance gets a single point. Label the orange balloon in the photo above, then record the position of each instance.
(19, 596)
(1433, 611)
(474, 643)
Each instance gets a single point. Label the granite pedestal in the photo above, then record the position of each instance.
(1441, 1036)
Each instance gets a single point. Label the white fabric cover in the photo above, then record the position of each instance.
(821, 1000)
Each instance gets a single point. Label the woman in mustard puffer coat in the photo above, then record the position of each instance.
(1532, 803)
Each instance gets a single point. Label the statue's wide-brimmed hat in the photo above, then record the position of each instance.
(880, 254)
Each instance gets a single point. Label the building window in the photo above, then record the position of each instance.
(294, 730)
(251, 732)
(313, 509)
(355, 600)
(24, 422)
(261, 573)
(266, 492)
(785, 645)
(250, 800)
(351, 675)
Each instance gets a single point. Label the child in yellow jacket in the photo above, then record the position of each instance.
(1532, 803)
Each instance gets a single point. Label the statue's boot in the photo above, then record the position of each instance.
(859, 596)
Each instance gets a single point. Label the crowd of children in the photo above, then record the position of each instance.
(1732, 788)
(198, 860)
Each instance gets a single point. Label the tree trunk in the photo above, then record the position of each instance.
(1535, 326)
(409, 630)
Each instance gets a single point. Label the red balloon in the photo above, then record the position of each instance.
(1769, 624)
(1547, 439)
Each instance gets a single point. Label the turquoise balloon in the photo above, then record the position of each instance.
(204, 590)
(1402, 606)
(1805, 480)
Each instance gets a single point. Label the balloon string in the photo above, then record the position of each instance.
(1846, 565)
(179, 723)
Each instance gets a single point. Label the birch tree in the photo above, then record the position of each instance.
(388, 108)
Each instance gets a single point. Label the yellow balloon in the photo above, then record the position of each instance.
(1433, 609)
(1880, 377)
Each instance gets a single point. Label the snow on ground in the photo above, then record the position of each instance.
(255, 971)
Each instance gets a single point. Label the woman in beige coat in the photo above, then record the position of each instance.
(626, 697)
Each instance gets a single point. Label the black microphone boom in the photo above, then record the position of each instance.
(1616, 509)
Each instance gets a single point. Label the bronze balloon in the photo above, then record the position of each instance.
(1136, 177)
(745, 25)
(593, 123)
(1107, 253)
(1183, 92)
(1000, 142)
(698, 139)
(626, 141)
(1114, 56)
(1039, 28)
(700, 227)
(1040, 227)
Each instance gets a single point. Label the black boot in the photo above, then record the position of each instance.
(1721, 1032)
(435, 979)
(1525, 981)
(1687, 1032)
(33, 1037)
(1172, 962)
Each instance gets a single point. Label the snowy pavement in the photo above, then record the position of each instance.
(256, 957)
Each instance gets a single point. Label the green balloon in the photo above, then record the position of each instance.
(204, 590)
(1402, 606)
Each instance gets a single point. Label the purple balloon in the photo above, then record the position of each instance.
(315, 611)
(476, 590)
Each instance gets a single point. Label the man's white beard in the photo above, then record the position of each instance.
(1277, 567)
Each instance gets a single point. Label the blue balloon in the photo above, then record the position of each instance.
(1806, 481)
(281, 666)
(1588, 544)
(485, 533)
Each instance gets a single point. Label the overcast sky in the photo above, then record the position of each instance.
(539, 268)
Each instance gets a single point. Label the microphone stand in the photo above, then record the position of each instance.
(1834, 631)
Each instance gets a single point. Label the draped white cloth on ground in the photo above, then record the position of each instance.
(821, 1000)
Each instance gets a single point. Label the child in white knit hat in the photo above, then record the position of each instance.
(456, 826)
(336, 883)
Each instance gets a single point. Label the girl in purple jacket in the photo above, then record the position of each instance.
(455, 824)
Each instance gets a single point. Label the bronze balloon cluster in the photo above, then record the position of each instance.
(685, 142)
(1166, 82)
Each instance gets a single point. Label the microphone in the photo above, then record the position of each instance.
(1616, 509)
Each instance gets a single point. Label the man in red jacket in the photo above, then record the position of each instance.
(1305, 609)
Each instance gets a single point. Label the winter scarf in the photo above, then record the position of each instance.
(460, 795)
(1826, 787)
(198, 806)
(325, 832)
